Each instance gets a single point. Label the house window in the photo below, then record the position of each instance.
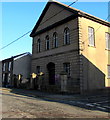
(107, 37)
(108, 71)
(9, 77)
(3, 77)
(38, 45)
(66, 36)
(38, 69)
(55, 40)
(66, 67)
(91, 36)
(9, 66)
(4, 67)
(47, 43)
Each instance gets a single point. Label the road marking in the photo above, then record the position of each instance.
(101, 108)
(89, 105)
(102, 102)
(107, 107)
(81, 103)
(72, 101)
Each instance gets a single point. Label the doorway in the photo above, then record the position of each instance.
(51, 72)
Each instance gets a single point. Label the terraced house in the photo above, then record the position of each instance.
(71, 42)
(13, 66)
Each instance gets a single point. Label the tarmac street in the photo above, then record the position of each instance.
(19, 103)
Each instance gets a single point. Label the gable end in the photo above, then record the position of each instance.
(46, 9)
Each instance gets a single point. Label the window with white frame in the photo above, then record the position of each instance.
(9, 66)
(91, 36)
(66, 36)
(47, 43)
(66, 67)
(3, 77)
(39, 45)
(55, 40)
(9, 77)
(107, 38)
(4, 67)
(108, 67)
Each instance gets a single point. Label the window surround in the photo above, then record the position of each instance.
(47, 42)
(91, 36)
(38, 69)
(66, 36)
(55, 40)
(39, 45)
(107, 47)
(9, 66)
(108, 71)
(9, 77)
(4, 66)
(66, 67)
(3, 77)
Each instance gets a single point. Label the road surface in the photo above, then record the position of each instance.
(22, 106)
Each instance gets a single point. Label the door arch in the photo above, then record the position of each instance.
(51, 72)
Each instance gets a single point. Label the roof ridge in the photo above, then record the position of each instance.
(78, 10)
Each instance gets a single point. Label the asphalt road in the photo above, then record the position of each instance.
(16, 105)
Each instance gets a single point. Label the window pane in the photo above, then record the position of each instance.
(38, 69)
(66, 36)
(4, 66)
(9, 78)
(91, 36)
(108, 71)
(9, 68)
(39, 45)
(47, 43)
(3, 77)
(107, 37)
(67, 68)
(55, 41)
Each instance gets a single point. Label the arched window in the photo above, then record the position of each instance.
(47, 43)
(39, 45)
(66, 36)
(55, 40)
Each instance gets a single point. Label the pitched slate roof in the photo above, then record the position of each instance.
(71, 9)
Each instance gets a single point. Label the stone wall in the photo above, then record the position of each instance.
(58, 56)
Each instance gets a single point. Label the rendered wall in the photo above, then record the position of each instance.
(22, 66)
(94, 59)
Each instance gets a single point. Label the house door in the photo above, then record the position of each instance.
(51, 72)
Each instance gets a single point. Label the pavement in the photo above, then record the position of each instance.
(99, 102)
